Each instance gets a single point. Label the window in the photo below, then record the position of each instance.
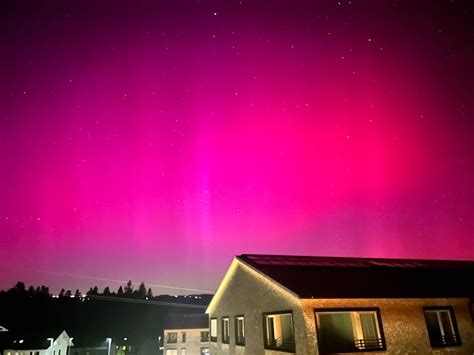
(278, 331)
(204, 336)
(183, 337)
(442, 327)
(205, 351)
(225, 330)
(172, 352)
(343, 331)
(214, 329)
(172, 338)
(183, 351)
(239, 330)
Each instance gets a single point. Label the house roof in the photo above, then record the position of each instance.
(335, 277)
(188, 321)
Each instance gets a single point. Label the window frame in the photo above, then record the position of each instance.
(265, 340)
(225, 341)
(354, 309)
(454, 323)
(183, 337)
(168, 337)
(211, 338)
(236, 319)
(208, 336)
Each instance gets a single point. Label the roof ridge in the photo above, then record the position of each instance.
(353, 259)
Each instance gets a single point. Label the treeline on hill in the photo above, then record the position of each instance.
(128, 291)
(35, 311)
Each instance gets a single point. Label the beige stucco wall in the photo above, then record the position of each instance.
(249, 293)
(403, 323)
(193, 342)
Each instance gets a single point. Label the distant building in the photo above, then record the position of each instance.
(40, 346)
(93, 346)
(321, 305)
(187, 335)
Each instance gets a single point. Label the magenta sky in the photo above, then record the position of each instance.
(153, 141)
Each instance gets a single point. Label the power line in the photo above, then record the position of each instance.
(158, 303)
(121, 281)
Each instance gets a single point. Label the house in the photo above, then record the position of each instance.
(271, 304)
(40, 346)
(187, 335)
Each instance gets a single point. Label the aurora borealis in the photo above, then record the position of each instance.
(154, 140)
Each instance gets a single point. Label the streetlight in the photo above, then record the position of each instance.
(109, 340)
(159, 343)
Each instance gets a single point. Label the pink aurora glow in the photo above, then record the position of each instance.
(156, 143)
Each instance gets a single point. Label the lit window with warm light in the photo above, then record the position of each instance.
(351, 330)
(278, 331)
(213, 329)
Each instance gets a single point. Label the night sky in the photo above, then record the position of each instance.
(154, 140)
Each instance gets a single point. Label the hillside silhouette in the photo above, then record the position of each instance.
(136, 315)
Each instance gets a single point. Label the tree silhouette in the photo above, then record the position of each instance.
(61, 294)
(19, 288)
(149, 294)
(141, 293)
(106, 291)
(78, 293)
(44, 290)
(120, 291)
(129, 288)
(31, 291)
(68, 293)
(93, 291)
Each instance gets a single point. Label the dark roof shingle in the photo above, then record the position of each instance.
(335, 277)
(188, 321)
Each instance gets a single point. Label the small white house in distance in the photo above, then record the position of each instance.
(187, 335)
(40, 346)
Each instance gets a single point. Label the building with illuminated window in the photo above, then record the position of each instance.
(187, 335)
(269, 304)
